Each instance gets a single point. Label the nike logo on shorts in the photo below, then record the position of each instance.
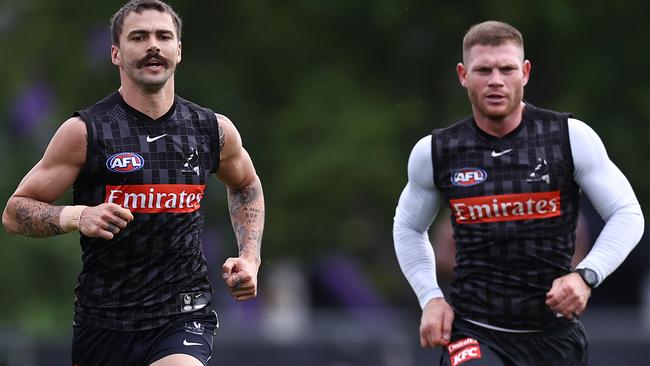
(186, 343)
(152, 139)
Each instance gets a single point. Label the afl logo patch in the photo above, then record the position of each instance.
(468, 177)
(126, 162)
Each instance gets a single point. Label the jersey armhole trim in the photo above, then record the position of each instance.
(567, 149)
(90, 146)
(214, 138)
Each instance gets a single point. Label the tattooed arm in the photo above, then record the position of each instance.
(29, 210)
(246, 206)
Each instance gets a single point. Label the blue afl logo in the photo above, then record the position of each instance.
(126, 162)
(468, 177)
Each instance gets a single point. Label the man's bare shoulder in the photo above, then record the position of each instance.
(223, 120)
(229, 138)
(74, 125)
(69, 142)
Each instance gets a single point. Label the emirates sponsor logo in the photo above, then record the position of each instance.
(506, 207)
(157, 198)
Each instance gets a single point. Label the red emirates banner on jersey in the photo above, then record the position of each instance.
(506, 207)
(157, 198)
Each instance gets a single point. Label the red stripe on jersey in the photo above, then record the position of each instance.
(506, 207)
(157, 198)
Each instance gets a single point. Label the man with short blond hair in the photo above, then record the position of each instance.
(511, 175)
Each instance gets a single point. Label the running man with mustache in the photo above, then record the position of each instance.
(138, 162)
(511, 175)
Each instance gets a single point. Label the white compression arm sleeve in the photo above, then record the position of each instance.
(418, 205)
(602, 182)
(612, 197)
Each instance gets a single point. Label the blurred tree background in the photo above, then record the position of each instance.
(329, 96)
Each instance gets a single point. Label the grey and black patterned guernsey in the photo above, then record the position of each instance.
(514, 209)
(154, 269)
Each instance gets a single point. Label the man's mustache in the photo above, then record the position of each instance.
(155, 58)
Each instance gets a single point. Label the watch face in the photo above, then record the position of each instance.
(589, 276)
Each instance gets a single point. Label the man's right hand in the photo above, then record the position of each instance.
(435, 326)
(104, 221)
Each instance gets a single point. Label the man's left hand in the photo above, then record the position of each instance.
(240, 275)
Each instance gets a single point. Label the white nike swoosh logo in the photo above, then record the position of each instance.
(186, 343)
(152, 139)
(497, 154)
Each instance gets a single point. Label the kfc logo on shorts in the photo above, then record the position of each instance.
(125, 162)
(464, 350)
(468, 177)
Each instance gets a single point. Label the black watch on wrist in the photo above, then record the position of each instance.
(589, 276)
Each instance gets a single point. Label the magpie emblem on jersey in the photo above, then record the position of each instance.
(466, 177)
(125, 162)
(539, 173)
(191, 164)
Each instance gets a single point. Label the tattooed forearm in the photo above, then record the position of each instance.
(247, 214)
(37, 219)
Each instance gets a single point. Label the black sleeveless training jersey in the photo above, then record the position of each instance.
(154, 269)
(514, 209)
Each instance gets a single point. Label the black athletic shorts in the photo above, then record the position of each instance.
(474, 345)
(190, 335)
